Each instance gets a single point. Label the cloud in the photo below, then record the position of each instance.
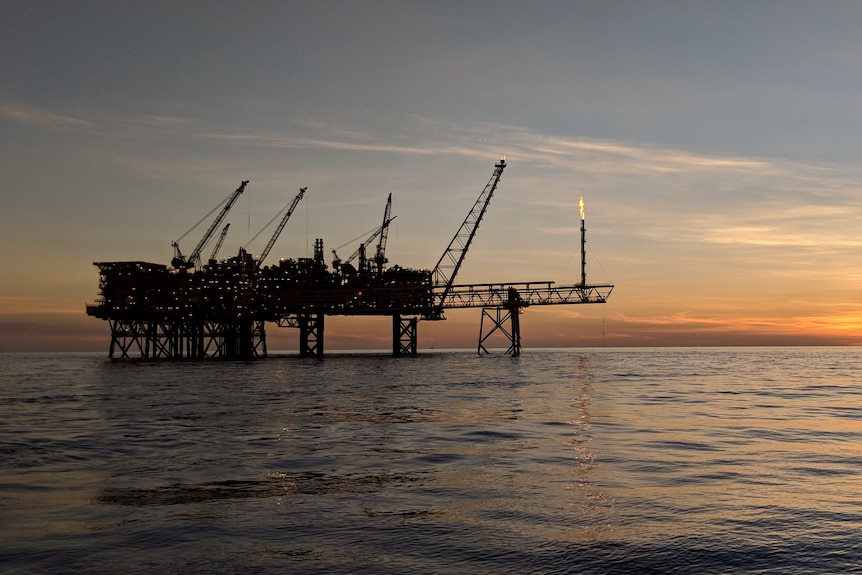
(410, 134)
(712, 199)
(31, 115)
(826, 323)
(651, 192)
(416, 135)
(767, 223)
(605, 155)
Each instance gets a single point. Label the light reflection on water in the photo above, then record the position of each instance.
(593, 461)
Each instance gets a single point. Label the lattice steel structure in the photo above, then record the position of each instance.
(220, 310)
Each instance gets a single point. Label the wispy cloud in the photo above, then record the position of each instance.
(814, 325)
(819, 200)
(32, 115)
(422, 136)
(605, 155)
(416, 135)
(126, 126)
(764, 223)
(659, 192)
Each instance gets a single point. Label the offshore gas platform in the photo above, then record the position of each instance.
(219, 309)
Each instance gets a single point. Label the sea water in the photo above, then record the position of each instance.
(719, 460)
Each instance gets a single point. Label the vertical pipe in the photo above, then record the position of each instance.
(583, 252)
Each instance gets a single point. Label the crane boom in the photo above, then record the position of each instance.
(380, 254)
(220, 241)
(450, 262)
(280, 227)
(196, 254)
(368, 240)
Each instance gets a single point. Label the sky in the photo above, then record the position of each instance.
(715, 145)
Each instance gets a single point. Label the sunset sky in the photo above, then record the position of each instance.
(715, 144)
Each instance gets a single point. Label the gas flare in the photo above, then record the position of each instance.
(581, 207)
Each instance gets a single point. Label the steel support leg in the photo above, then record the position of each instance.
(515, 347)
(258, 339)
(246, 346)
(311, 335)
(498, 322)
(404, 335)
(124, 335)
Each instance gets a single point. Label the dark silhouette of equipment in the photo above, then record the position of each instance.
(280, 227)
(379, 258)
(180, 261)
(220, 310)
(450, 262)
(380, 254)
(219, 242)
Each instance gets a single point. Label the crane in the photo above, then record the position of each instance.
(338, 262)
(179, 260)
(280, 227)
(380, 254)
(450, 262)
(219, 242)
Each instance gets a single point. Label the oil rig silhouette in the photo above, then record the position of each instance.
(190, 310)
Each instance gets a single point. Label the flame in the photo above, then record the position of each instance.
(581, 207)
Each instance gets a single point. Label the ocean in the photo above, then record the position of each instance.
(682, 460)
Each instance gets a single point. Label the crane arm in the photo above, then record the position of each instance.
(450, 262)
(368, 240)
(220, 241)
(179, 259)
(280, 227)
(380, 254)
(193, 257)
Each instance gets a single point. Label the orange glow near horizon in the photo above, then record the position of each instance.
(648, 310)
(552, 326)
